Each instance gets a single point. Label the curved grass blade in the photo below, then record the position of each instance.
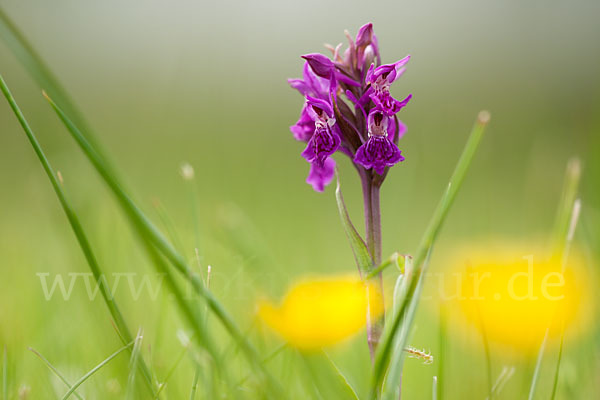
(149, 232)
(384, 351)
(123, 330)
(56, 371)
(358, 245)
(94, 370)
(344, 380)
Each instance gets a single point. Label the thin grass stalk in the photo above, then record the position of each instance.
(55, 371)
(94, 370)
(569, 210)
(133, 361)
(195, 383)
(123, 330)
(557, 370)
(384, 352)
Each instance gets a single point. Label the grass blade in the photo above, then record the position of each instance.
(133, 362)
(55, 370)
(384, 352)
(94, 370)
(556, 372)
(349, 388)
(569, 209)
(195, 383)
(358, 245)
(78, 230)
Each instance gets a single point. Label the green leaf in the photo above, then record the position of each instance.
(359, 248)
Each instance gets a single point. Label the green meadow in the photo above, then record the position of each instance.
(139, 92)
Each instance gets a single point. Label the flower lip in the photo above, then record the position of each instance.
(321, 176)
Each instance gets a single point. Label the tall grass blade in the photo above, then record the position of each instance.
(55, 370)
(569, 210)
(78, 230)
(94, 370)
(384, 351)
(148, 231)
(393, 383)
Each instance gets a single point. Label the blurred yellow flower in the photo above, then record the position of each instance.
(514, 297)
(321, 312)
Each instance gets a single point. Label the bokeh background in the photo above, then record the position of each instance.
(205, 82)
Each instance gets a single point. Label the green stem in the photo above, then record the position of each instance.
(373, 235)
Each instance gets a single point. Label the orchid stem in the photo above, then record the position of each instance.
(373, 235)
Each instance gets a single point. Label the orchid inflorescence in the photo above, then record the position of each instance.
(364, 125)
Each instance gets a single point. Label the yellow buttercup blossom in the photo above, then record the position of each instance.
(321, 312)
(513, 296)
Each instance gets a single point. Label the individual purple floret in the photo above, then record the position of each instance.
(321, 176)
(378, 151)
(381, 78)
(349, 109)
(325, 140)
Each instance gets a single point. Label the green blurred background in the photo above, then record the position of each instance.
(204, 82)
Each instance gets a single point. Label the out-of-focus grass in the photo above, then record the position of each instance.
(260, 226)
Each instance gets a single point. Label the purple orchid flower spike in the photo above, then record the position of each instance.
(378, 151)
(321, 176)
(325, 140)
(349, 109)
(380, 79)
